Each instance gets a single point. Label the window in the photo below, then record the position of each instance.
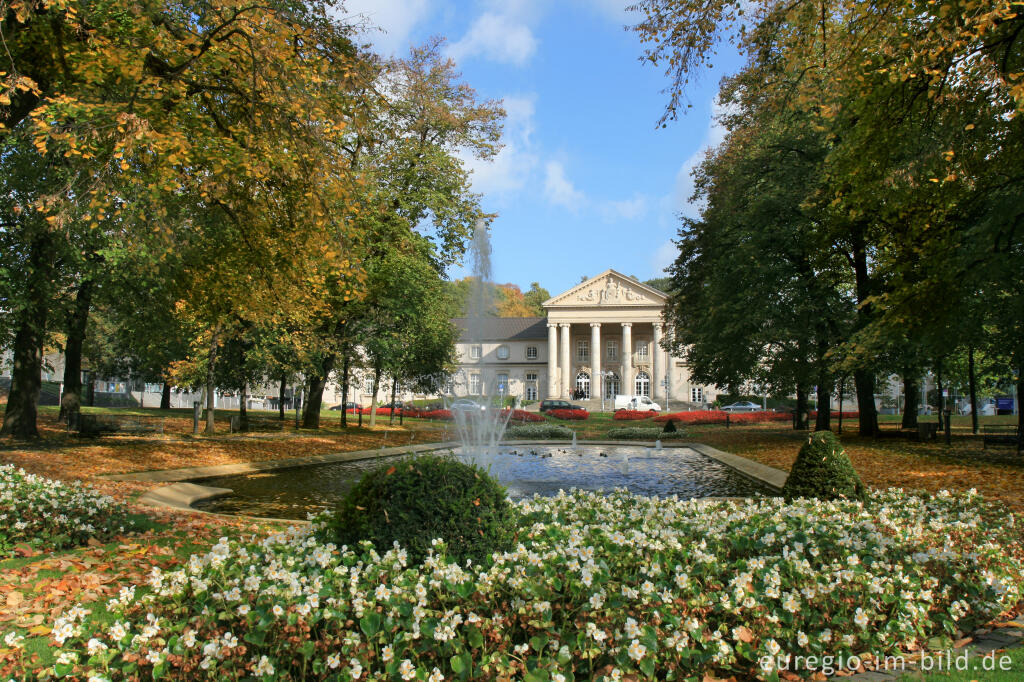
(531, 386)
(611, 386)
(696, 394)
(641, 350)
(368, 385)
(643, 384)
(503, 383)
(474, 352)
(531, 377)
(502, 352)
(582, 350)
(474, 384)
(612, 349)
(583, 386)
(531, 352)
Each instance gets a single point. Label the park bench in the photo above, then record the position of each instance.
(255, 424)
(96, 424)
(1000, 435)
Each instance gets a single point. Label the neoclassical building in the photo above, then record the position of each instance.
(603, 336)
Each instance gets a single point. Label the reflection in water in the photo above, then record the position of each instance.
(524, 470)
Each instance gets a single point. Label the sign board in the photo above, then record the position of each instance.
(945, 393)
(1004, 404)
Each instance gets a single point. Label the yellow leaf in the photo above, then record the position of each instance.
(39, 630)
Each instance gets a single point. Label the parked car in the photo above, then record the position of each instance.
(635, 402)
(547, 405)
(398, 403)
(742, 406)
(348, 406)
(466, 405)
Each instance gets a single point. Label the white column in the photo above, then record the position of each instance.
(658, 365)
(627, 358)
(596, 385)
(552, 360)
(564, 360)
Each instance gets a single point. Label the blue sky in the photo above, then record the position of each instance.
(586, 181)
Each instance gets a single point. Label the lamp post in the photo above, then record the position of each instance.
(605, 374)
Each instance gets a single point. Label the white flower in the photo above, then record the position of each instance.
(406, 669)
(436, 676)
(93, 646)
(355, 668)
(333, 661)
(264, 667)
(636, 650)
(387, 654)
(860, 618)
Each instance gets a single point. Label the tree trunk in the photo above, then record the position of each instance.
(842, 392)
(938, 389)
(373, 400)
(210, 387)
(90, 390)
(315, 398)
(801, 408)
(26, 379)
(26, 375)
(911, 400)
(280, 396)
(394, 391)
(165, 397)
(824, 420)
(867, 419)
(346, 364)
(71, 400)
(243, 409)
(973, 386)
(1020, 408)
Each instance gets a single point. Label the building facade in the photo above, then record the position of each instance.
(598, 339)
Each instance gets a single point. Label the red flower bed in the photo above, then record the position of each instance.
(444, 415)
(522, 416)
(835, 414)
(719, 417)
(633, 415)
(569, 414)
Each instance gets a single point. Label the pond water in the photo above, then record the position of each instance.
(523, 469)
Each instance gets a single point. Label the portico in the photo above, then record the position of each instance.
(608, 339)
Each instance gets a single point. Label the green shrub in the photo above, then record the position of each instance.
(546, 431)
(414, 501)
(642, 433)
(823, 470)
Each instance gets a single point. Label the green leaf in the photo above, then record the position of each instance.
(370, 623)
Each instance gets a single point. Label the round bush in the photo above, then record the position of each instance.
(417, 500)
(823, 470)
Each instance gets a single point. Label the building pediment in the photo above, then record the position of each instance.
(610, 288)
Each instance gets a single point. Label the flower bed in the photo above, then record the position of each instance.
(578, 415)
(545, 431)
(522, 416)
(51, 515)
(719, 417)
(435, 414)
(633, 415)
(598, 586)
(642, 433)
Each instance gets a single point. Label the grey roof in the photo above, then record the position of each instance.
(502, 328)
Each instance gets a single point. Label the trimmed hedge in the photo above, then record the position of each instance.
(642, 433)
(823, 470)
(546, 431)
(416, 501)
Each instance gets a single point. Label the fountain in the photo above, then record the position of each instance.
(481, 432)
(657, 446)
(575, 446)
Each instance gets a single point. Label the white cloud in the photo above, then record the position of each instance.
(559, 189)
(515, 163)
(626, 209)
(396, 20)
(498, 37)
(713, 137)
(663, 257)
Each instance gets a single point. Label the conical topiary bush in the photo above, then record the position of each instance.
(823, 470)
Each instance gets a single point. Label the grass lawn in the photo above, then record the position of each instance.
(35, 587)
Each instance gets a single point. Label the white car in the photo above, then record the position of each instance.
(466, 405)
(743, 406)
(635, 402)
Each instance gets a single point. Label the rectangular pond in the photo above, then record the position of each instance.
(524, 469)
